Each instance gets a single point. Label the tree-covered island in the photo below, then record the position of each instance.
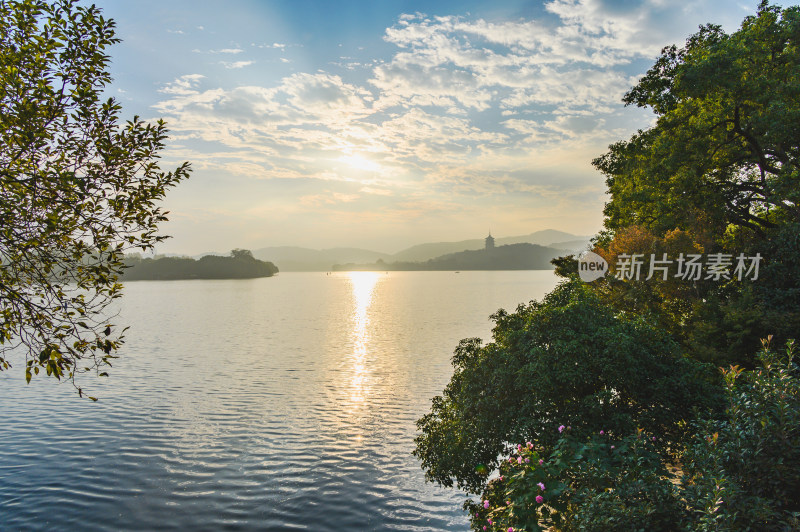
(239, 265)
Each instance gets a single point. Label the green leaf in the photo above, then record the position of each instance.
(65, 149)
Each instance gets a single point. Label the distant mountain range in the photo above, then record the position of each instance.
(522, 256)
(298, 259)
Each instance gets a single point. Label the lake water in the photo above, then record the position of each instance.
(268, 404)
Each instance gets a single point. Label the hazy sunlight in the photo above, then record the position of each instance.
(359, 162)
(363, 285)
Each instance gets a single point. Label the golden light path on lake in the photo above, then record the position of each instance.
(362, 285)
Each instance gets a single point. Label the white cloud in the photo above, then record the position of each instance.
(328, 198)
(183, 85)
(305, 119)
(462, 109)
(236, 64)
(638, 28)
(478, 63)
(405, 79)
(279, 46)
(376, 191)
(326, 96)
(229, 51)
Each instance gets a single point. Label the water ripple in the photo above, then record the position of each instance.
(272, 404)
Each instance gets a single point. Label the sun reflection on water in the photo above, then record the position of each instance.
(363, 286)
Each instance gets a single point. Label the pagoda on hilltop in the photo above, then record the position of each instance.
(490, 241)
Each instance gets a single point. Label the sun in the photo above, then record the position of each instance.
(359, 162)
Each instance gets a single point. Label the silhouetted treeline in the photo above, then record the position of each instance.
(240, 265)
(510, 257)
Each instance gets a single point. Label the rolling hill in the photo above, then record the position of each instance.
(299, 259)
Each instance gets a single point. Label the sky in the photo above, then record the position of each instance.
(381, 125)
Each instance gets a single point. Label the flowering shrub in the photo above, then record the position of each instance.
(743, 470)
(597, 483)
(567, 360)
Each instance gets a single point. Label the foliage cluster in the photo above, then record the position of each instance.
(718, 173)
(742, 470)
(720, 167)
(724, 149)
(595, 483)
(568, 359)
(739, 471)
(77, 187)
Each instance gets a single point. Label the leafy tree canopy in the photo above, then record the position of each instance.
(77, 187)
(568, 360)
(726, 146)
(720, 169)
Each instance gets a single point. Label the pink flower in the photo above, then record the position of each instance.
(484, 527)
(602, 432)
(530, 445)
(486, 504)
(539, 499)
(541, 462)
(508, 503)
(519, 448)
(519, 460)
(561, 428)
(654, 438)
(541, 485)
(489, 521)
(612, 447)
(511, 529)
(501, 478)
(527, 460)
